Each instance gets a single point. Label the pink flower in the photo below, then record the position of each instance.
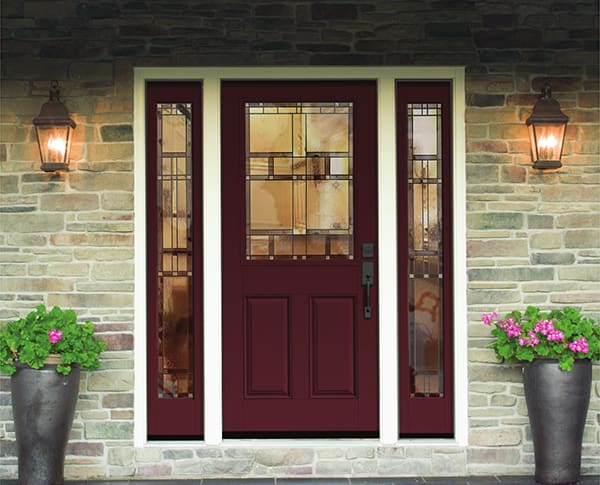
(487, 318)
(544, 327)
(579, 345)
(555, 336)
(533, 338)
(513, 330)
(532, 341)
(54, 336)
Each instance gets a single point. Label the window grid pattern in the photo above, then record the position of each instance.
(425, 249)
(299, 174)
(175, 256)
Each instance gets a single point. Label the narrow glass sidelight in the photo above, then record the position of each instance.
(299, 180)
(426, 266)
(174, 241)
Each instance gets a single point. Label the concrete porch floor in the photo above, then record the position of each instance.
(489, 480)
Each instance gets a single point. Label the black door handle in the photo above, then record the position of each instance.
(367, 281)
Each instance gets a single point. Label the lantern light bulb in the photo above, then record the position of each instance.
(56, 147)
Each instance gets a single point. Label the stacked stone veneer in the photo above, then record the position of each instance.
(67, 238)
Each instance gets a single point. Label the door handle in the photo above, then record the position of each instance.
(367, 281)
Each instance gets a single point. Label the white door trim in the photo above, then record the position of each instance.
(385, 77)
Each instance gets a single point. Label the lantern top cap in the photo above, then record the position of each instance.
(53, 111)
(547, 110)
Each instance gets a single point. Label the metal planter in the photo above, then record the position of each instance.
(557, 403)
(43, 403)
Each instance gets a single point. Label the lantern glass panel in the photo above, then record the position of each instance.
(54, 143)
(546, 141)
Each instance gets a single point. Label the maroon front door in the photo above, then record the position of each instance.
(299, 228)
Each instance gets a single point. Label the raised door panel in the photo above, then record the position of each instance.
(267, 347)
(333, 346)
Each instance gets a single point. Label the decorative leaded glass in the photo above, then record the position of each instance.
(174, 237)
(425, 248)
(299, 180)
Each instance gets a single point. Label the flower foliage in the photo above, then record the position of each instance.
(31, 339)
(563, 334)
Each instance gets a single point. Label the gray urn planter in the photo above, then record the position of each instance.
(557, 403)
(43, 403)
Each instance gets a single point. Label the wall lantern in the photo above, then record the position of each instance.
(54, 130)
(547, 126)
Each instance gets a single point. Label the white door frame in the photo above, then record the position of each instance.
(386, 78)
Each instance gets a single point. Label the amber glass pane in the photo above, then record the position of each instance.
(175, 320)
(271, 204)
(299, 196)
(327, 204)
(425, 243)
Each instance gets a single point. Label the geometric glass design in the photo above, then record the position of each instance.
(174, 238)
(425, 249)
(299, 181)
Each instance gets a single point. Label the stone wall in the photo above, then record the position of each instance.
(67, 238)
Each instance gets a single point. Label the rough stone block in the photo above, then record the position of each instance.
(85, 449)
(552, 258)
(545, 240)
(120, 456)
(99, 152)
(536, 221)
(31, 223)
(482, 174)
(484, 100)
(112, 271)
(224, 467)
(503, 400)
(449, 465)
(582, 239)
(119, 341)
(98, 182)
(581, 273)
(497, 247)
(510, 274)
(568, 193)
(284, 457)
(111, 381)
(117, 430)
(177, 454)
(493, 456)
(117, 201)
(112, 133)
(495, 220)
(69, 202)
(147, 455)
(492, 297)
(154, 469)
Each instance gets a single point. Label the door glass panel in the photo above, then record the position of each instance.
(174, 238)
(299, 181)
(425, 244)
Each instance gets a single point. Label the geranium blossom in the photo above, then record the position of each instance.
(555, 336)
(579, 345)
(513, 330)
(544, 327)
(487, 318)
(54, 336)
(532, 341)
